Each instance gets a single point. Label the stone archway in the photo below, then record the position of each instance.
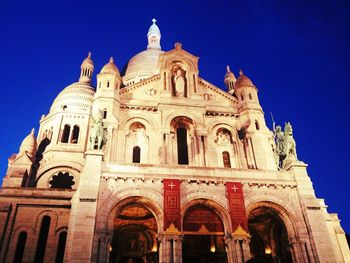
(269, 238)
(134, 235)
(203, 239)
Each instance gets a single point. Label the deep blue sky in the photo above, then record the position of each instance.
(297, 54)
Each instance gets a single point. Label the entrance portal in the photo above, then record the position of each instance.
(203, 236)
(134, 237)
(269, 239)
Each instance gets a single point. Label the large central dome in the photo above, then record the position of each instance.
(142, 66)
(145, 64)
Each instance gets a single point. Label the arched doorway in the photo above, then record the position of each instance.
(203, 236)
(269, 238)
(134, 236)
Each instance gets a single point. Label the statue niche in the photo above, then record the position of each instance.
(179, 82)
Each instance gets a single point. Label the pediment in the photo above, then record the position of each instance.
(22, 159)
(178, 56)
(146, 90)
(215, 95)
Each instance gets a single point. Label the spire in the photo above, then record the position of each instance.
(153, 36)
(87, 67)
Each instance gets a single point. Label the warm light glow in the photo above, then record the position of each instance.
(268, 251)
(109, 248)
(212, 245)
(154, 248)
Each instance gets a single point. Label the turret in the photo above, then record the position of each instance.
(87, 68)
(106, 99)
(106, 102)
(257, 137)
(230, 81)
(247, 93)
(20, 165)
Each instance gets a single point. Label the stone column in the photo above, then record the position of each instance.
(242, 250)
(239, 256)
(177, 248)
(293, 250)
(82, 220)
(309, 251)
(246, 249)
(170, 248)
(230, 250)
(306, 249)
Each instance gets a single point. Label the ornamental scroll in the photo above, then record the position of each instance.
(237, 208)
(172, 210)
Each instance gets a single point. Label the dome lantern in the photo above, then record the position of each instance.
(153, 36)
(230, 80)
(87, 68)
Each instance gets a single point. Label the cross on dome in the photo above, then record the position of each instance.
(228, 68)
(154, 21)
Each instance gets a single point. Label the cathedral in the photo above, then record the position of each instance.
(156, 164)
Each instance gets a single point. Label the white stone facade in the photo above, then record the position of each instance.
(96, 170)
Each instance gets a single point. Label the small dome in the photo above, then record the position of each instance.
(229, 76)
(243, 80)
(143, 65)
(110, 68)
(77, 97)
(29, 144)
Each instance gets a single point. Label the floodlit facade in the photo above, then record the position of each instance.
(159, 165)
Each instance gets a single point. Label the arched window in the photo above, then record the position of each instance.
(75, 134)
(21, 243)
(257, 127)
(226, 159)
(61, 247)
(242, 97)
(182, 151)
(136, 154)
(42, 240)
(250, 96)
(65, 133)
(107, 83)
(104, 114)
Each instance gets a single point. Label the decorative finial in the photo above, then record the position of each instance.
(33, 130)
(178, 45)
(154, 21)
(228, 68)
(111, 60)
(89, 54)
(240, 72)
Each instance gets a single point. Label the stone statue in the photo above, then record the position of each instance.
(285, 146)
(179, 83)
(289, 144)
(223, 137)
(97, 135)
